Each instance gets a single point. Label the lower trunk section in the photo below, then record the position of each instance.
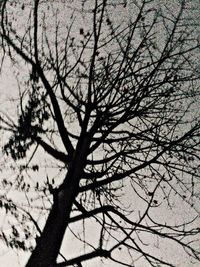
(49, 243)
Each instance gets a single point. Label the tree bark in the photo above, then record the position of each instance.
(49, 243)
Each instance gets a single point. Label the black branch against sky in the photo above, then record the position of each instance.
(106, 131)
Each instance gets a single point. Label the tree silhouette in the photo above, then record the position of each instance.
(105, 143)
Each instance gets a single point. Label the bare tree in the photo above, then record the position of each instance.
(106, 133)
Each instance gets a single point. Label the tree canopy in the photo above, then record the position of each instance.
(102, 153)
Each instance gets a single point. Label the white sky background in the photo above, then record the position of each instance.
(10, 258)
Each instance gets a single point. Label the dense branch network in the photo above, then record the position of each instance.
(113, 103)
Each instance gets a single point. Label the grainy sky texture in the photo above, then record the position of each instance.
(182, 206)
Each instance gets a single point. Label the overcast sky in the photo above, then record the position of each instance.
(12, 258)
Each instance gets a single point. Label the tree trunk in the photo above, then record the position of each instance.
(49, 243)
